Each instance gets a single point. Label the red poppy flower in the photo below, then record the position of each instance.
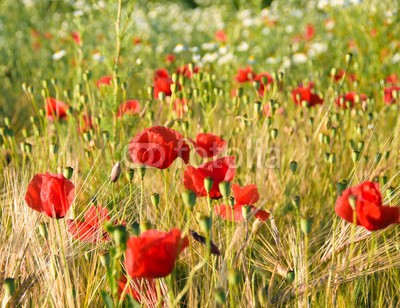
(209, 145)
(130, 107)
(180, 106)
(104, 81)
(90, 229)
(370, 213)
(309, 32)
(56, 109)
(245, 75)
(220, 170)
(234, 213)
(162, 83)
(265, 80)
(170, 58)
(392, 79)
(51, 194)
(220, 36)
(247, 195)
(389, 94)
(153, 254)
(350, 99)
(76, 36)
(185, 71)
(304, 94)
(143, 290)
(158, 147)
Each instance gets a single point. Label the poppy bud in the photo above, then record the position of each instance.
(225, 189)
(305, 225)
(43, 230)
(290, 276)
(263, 296)
(378, 157)
(281, 75)
(169, 124)
(341, 186)
(257, 107)
(87, 255)
(333, 71)
(150, 92)
(274, 133)
(293, 166)
(161, 96)
(383, 180)
(106, 135)
(68, 172)
(142, 171)
(246, 212)
(135, 227)
(231, 201)
(53, 148)
(332, 158)
(115, 172)
(130, 174)
(120, 236)
(327, 139)
(9, 286)
(234, 277)
(155, 199)
(296, 202)
(349, 56)
(220, 296)
(390, 192)
(208, 184)
(355, 156)
(256, 85)
(311, 121)
(353, 202)
(144, 226)
(205, 224)
(105, 260)
(387, 153)
(189, 199)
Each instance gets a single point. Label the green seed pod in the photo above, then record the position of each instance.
(189, 199)
(68, 172)
(225, 189)
(355, 156)
(105, 260)
(205, 224)
(120, 236)
(208, 184)
(234, 277)
(246, 212)
(305, 225)
(274, 133)
(142, 171)
(231, 201)
(293, 166)
(296, 202)
(341, 186)
(144, 226)
(290, 276)
(220, 296)
(9, 286)
(130, 174)
(353, 201)
(155, 199)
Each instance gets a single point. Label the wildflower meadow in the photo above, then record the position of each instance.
(200, 153)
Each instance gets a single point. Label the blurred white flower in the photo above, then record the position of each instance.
(227, 58)
(300, 58)
(286, 62)
(244, 46)
(179, 48)
(97, 56)
(78, 13)
(223, 50)
(289, 29)
(317, 48)
(209, 46)
(194, 49)
(266, 31)
(329, 24)
(396, 58)
(59, 54)
(272, 60)
(196, 58)
(210, 57)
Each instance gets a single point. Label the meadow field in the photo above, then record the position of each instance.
(200, 153)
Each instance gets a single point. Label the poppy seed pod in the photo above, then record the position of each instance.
(225, 189)
(293, 166)
(205, 224)
(290, 276)
(155, 199)
(68, 172)
(246, 212)
(189, 199)
(142, 171)
(234, 277)
(105, 260)
(43, 230)
(305, 225)
(115, 172)
(208, 184)
(9, 286)
(220, 296)
(120, 236)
